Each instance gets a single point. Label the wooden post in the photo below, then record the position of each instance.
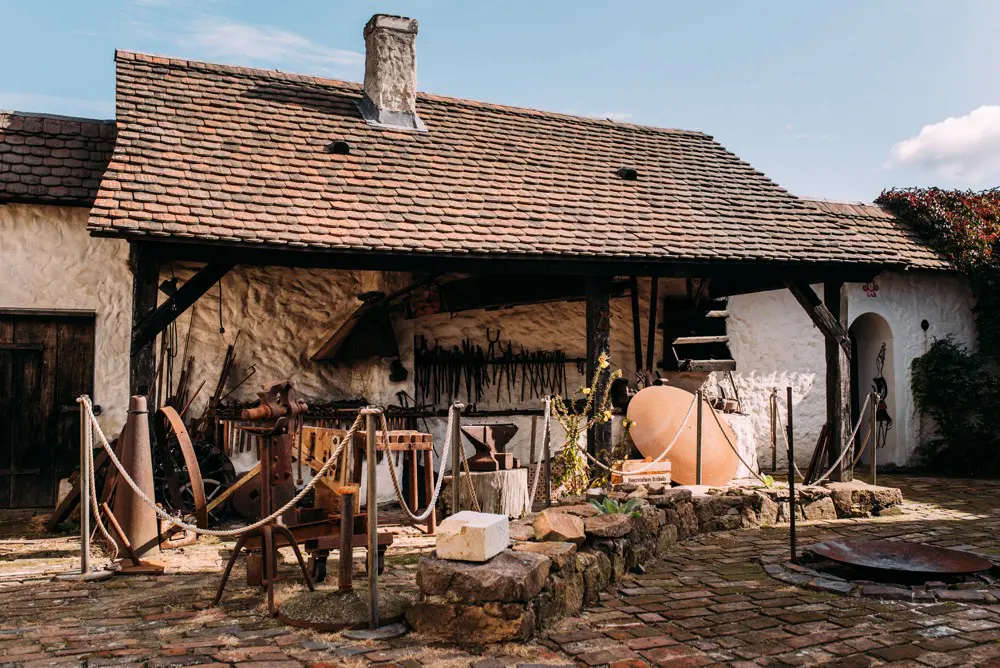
(371, 509)
(773, 406)
(874, 435)
(429, 490)
(636, 323)
(598, 290)
(698, 461)
(654, 286)
(791, 477)
(145, 280)
(457, 450)
(345, 567)
(838, 385)
(85, 435)
(547, 458)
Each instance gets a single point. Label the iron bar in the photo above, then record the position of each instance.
(346, 562)
(698, 439)
(372, 511)
(84, 492)
(457, 450)
(791, 476)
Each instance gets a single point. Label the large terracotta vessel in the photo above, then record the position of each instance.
(658, 412)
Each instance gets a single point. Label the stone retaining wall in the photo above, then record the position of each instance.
(563, 558)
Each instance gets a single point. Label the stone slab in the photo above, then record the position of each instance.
(472, 536)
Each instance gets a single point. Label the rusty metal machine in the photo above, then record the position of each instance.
(278, 404)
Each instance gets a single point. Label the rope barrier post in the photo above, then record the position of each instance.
(548, 461)
(372, 510)
(874, 435)
(772, 406)
(457, 449)
(698, 460)
(791, 477)
(84, 491)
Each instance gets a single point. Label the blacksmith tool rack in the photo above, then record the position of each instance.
(442, 373)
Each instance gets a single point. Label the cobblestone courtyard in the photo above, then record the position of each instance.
(709, 602)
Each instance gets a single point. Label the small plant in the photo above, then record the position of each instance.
(767, 481)
(612, 507)
(575, 476)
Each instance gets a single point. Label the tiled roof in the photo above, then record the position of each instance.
(236, 155)
(52, 159)
(886, 229)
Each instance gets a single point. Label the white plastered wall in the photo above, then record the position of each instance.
(776, 345)
(50, 262)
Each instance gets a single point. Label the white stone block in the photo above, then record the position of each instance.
(471, 536)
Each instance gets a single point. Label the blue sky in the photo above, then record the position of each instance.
(834, 99)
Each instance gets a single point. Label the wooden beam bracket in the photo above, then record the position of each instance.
(820, 314)
(149, 327)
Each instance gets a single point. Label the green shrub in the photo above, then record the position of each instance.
(960, 391)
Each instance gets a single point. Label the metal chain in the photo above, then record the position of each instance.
(437, 487)
(659, 457)
(85, 400)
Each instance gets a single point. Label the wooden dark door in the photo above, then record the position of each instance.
(46, 361)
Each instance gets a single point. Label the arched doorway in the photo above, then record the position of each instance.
(872, 369)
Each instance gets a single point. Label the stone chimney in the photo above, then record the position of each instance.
(391, 73)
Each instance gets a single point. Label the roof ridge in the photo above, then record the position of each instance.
(56, 117)
(121, 54)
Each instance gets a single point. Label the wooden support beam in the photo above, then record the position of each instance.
(636, 322)
(838, 385)
(145, 279)
(149, 327)
(822, 315)
(598, 291)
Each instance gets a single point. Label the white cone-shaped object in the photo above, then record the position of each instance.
(136, 518)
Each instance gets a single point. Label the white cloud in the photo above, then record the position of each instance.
(966, 148)
(54, 104)
(217, 37)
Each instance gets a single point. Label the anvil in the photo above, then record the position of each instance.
(490, 441)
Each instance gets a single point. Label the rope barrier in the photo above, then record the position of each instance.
(731, 446)
(659, 457)
(784, 438)
(468, 482)
(843, 447)
(95, 508)
(85, 400)
(437, 488)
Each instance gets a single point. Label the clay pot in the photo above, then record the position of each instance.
(658, 411)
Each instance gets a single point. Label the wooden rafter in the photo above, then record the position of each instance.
(820, 314)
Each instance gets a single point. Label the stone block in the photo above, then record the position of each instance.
(670, 497)
(521, 530)
(859, 499)
(507, 578)
(817, 509)
(471, 536)
(612, 525)
(472, 624)
(557, 526)
(579, 509)
(561, 554)
(718, 513)
(563, 596)
(595, 566)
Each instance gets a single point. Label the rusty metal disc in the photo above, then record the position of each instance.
(173, 421)
(903, 556)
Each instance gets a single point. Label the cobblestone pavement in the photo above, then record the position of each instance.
(708, 602)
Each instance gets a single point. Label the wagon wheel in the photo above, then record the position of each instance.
(188, 474)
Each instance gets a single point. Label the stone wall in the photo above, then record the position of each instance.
(563, 558)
